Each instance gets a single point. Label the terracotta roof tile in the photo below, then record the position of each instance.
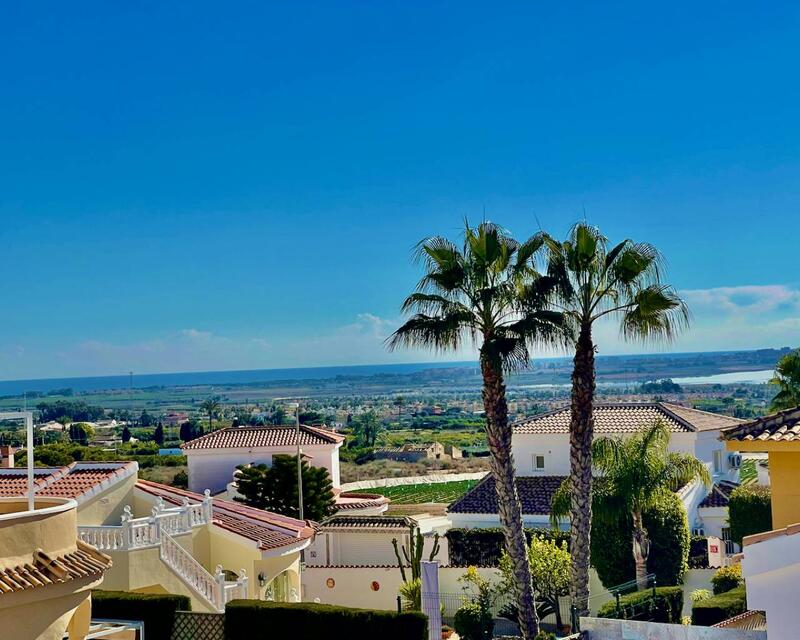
(75, 481)
(535, 494)
(375, 523)
(783, 426)
(269, 530)
(43, 570)
(348, 500)
(720, 495)
(252, 437)
(614, 418)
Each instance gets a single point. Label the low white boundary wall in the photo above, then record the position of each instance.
(607, 629)
(432, 478)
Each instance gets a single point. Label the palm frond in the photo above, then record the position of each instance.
(655, 313)
(442, 334)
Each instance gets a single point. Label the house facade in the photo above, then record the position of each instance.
(160, 539)
(540, 446)
(213, 458)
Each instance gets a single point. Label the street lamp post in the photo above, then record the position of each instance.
(296, 406)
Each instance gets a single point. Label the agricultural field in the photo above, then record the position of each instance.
(443, 492)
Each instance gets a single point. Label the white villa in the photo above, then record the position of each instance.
(213, 458)
(541, 456)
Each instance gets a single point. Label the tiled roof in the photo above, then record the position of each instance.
(374, 523)
(78, 481)
(720, 495)
(269, 530)
(749, 620)
(42, 570)
(628, 417)
(350, 500)
(783, 426)
(535, 494)
(253, 437)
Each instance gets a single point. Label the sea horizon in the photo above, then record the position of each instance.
(254, 376)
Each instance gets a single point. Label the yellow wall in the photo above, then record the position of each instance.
(784, 479)
(106, 507)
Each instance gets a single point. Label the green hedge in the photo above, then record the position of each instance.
(665, 606)
(668, 529)
(749, 511)
(483, 547)
(157, 611)
(260, 619)
(698, 552)
(720, 607)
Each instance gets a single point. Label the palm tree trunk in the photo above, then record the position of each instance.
(498, 436)
(580, 440)
(641, 549)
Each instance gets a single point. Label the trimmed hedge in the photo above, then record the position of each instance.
(668, 529)
(665, 606)
(720, 607)
(156, 610)
(483, 547)
(258, 618)
(749, 511)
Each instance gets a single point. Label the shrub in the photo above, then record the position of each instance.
(663, 606)
(544, 635)
(473, 622)
(727, 578)
(749, 511)
(157, 611)
(698, 552)
(698, 595)
(483, 547)
(259, 618)
(720, 607)
(668, 529)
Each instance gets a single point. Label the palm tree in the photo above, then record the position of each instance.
(595, 283)
(787, 379)
(490, 292)
(636, 473)
(211, 407)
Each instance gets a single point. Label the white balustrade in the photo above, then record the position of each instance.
(135, 533)
(214, 589)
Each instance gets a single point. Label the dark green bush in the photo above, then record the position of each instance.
(720, 607)
(663, 606)
(258, 618)
(698, 552)
(157, 611)
(483, 547)
(727, 578)
(472, 622)
(749, 511)
(668, 529)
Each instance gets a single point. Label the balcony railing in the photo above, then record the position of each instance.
(138, 533)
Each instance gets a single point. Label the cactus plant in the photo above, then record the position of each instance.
(412, 556)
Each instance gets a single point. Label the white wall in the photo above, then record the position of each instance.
(609, 629)
(489, 520)
(213, 468)
(771, 569)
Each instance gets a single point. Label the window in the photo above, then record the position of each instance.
(537, 462)
(730, 545)
(718, 461)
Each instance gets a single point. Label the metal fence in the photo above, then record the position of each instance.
(193, 625)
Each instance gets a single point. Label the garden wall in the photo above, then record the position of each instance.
(608, 629)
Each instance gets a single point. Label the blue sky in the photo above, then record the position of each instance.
(192, 186)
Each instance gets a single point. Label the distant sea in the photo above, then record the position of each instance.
(252, 376)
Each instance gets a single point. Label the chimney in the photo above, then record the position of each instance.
(6, 457)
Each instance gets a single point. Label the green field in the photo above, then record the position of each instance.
(444, 492)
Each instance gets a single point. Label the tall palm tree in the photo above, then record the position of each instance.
(787, 379)
(595, 282)
(487, 291)
(211, 408)
(636, 473)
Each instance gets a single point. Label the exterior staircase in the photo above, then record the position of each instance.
(158, 530)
